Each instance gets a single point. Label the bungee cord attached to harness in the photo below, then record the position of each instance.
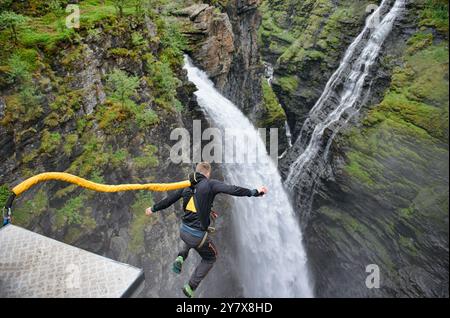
(67, 177)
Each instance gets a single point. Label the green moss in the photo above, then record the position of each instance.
(435, 15)
(123, 52)
(418, 99)
(275, 115)
(419, 41)
(69, 143)
(140, 221)
(113, 116)
(70, 213)
(97, 176)
(65, 191)
(300, 32)
(289, 83)
(147, 118)
(407, 244)
(72, 56)
(406, 213)
(52, 120)
(93, 157)
(76, 216)
(147, 159)
(50, 142)
(24, 212)
(138, 40)
(356, 169)
(119, 157)
(349, 223)
(4, 194)
(29, 157)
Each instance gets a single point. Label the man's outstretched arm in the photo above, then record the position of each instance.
(220, 187)
(166, 202)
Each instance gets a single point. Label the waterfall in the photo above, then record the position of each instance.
(268, 72)
(271, 260)
(341, 99)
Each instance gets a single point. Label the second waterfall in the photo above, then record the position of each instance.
(271, 258)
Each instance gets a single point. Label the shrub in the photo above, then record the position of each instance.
(19, 70)
(121, 86)
(147, 159)
(12, 21)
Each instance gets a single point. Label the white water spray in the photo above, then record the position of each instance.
(271, 258)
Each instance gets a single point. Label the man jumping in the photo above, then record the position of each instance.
(197, 202)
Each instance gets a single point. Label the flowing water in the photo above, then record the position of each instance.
(271, 260)
(341, 99)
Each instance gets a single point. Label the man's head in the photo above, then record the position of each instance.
(204, 168)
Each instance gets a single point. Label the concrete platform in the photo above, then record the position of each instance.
(32, 265)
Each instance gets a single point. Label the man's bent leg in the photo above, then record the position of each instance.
(208, 252)
(188, 243)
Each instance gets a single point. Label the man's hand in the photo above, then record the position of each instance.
(148, 211)
(262, 190)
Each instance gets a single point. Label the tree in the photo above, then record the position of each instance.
(12, 21)
(19, 70)
(122, 86)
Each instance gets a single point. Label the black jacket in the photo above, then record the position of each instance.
(204, 193)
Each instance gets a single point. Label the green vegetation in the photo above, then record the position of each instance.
(25, 211)
(419, 94)
(70, 212)
(307, 37)
(275, 116)
(400, 154)
(140, 221)
(76, 215)
(289, 83)
(119, 5)
(407, 244)
(416, 105)
(120, 107)
(161, 78)
(4, 194)
(435, 15)
(93, 157)
(47, 108)
(119, 157)
(121, 86)
(350, 224)
(12, 21)
(69, 142)
(147, 159)
(18, 69)
(50, 142)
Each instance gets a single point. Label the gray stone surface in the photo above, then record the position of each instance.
(32, 265)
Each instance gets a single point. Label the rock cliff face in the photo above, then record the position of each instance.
(305, 40)
(66, 111)
(383, 199)
(223, 42)
(72, 110)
